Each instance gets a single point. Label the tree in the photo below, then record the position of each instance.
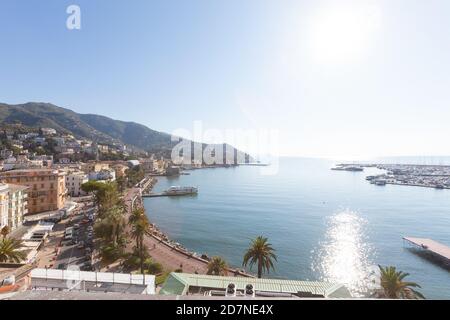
(394, 287)
(261, 253)
(110, 224)
(121, 183)
(4, 231)
(153, 267)
(10, 250)
(217, 266)
(140, 227)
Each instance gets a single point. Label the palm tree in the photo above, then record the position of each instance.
(261, 253)
(217, 267)
(140, 226)
(136, 215)
(4, 231)
(10, 250)
(394, 287)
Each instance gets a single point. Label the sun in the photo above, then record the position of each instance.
(343, 34)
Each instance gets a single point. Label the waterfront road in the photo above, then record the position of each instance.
(169, 257)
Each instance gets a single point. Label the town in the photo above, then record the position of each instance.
(72, 219)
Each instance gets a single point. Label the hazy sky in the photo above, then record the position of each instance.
(335, 78)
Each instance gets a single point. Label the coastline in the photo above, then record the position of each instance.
(173, 255)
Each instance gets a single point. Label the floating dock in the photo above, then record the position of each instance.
(438, 249)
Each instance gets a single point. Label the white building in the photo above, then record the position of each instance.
(48, 131)
(103, 175)
(13, 205)
(74, 180)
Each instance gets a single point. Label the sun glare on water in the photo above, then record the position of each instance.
(343, 256)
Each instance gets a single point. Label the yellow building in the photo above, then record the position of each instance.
(95, 167)
(46, 187)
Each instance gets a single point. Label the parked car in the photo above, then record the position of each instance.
(87, 267)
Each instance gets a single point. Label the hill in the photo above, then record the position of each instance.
(94, 127)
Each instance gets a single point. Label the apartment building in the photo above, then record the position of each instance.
(46, 187)
(13, 205)
(74, 180)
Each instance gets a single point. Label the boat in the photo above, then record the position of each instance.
(342, 167)
(354, 168)
(178, 191)
(380, 182)
(370, 178)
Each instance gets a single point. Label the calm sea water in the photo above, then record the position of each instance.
(325, 225)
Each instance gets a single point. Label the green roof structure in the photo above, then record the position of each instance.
(184, 283)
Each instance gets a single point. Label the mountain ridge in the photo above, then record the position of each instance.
(98, 128)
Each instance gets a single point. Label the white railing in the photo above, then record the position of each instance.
(103, 277)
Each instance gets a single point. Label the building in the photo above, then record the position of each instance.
(13, 205)
(47, 187)
(120, 169)
(74, 180)
(95, 167)
(133, 163)
(83, 281)
(6, 153)
(103, 175)
(147, 164)
(48, 131)
(181, 284)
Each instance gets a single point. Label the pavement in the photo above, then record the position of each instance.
(170, 258)
(61, 253)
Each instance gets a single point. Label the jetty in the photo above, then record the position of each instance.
(438, 249)
(165, 194)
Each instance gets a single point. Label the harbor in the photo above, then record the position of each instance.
(316, 228)
(426, 176)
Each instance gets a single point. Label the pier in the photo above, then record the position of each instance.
(439, 250)
(164, 194)
(154, 195)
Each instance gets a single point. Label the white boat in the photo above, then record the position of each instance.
(177, 190)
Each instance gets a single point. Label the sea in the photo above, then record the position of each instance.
(325, 225)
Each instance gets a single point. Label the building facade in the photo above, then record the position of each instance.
(13, 205)
(46, 188)
(74, 180)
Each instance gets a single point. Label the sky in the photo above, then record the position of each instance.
(340, 79)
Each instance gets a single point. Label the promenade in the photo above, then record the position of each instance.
(169, 255)
(162, 252)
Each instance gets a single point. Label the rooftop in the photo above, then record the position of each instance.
(181, 283)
